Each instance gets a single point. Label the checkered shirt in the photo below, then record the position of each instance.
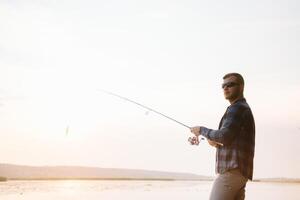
(237, 134)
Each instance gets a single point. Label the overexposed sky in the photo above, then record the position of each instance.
(169, 55)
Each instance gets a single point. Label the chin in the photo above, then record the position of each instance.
(227, 96)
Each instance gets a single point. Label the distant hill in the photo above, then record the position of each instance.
(20, 172)
(281, 180)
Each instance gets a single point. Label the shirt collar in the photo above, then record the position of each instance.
(239, 100)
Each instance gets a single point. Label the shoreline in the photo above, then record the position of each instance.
(104, 179)
(140, 179)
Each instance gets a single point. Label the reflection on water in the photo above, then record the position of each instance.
(13, 187)
(92, 190)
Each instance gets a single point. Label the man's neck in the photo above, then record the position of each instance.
(236, 99)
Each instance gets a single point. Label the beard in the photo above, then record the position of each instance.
(231, 96)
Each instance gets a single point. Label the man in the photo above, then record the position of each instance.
(234, 141)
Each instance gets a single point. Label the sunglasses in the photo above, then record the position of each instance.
(229, 84)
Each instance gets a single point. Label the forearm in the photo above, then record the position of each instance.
(223, 136)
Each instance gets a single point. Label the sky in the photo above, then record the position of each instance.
(55, 56)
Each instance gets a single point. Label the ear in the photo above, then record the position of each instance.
(242, 89)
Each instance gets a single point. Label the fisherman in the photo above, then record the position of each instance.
(236, 133)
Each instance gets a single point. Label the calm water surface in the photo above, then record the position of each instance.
(136, 190)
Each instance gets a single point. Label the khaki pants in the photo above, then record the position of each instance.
(229, 186)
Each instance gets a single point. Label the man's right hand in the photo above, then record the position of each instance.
(212, 143)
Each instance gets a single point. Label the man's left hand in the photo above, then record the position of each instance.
(196, 130)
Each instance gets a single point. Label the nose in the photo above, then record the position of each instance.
(225, 87)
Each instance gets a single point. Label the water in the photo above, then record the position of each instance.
(136, 190)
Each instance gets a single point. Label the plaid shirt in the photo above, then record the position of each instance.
(237, 134)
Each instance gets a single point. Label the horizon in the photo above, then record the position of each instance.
(148, 170)
(170, 56)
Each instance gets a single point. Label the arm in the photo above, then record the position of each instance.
(230, 127)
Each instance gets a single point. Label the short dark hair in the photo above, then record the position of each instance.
(239, 77)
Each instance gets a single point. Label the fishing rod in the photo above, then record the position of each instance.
(148, 108)
(193, 140)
